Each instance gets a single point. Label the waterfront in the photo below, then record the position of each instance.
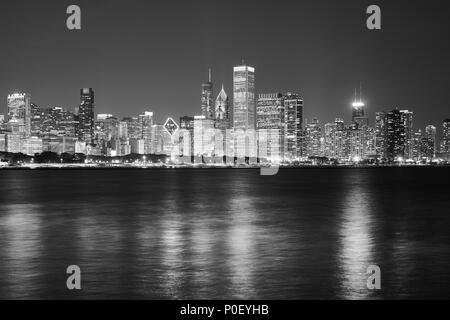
(226, 233)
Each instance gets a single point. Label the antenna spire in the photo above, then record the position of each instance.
(360, 91)
(209, 75)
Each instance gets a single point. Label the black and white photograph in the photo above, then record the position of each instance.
(201, 151)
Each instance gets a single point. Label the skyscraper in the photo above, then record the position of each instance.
(358, 113)
(223, 114)
(407, 120)
(271, 126)
(187, 138)
(429, 142)
(416, 145)
(19, 109)
(293, 119)
(270, 111)
(207, 98)
(398, 135)
(147, 130)
(394, 135)
(86, 116)
(313, 138)
(380, 135)
(446, 139)
(341, 150)
(157, 138)
(133, 128)
(36, 119)
(244, 111)
(56, 121)
(203, 136)
(395, 138)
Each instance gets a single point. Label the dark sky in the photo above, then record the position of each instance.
(153, 55)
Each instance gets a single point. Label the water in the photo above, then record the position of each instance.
(225, 233)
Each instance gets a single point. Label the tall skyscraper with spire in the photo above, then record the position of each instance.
(244, 109)
(358, 114)
(207, 98)
(222, 111)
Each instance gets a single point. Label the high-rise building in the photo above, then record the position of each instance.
(36, 119)
(187, 139)
(358, 113)
(446, 139)
(133, 127)
(407, 120)
(398, 135)
(395, 138)
(137, 146)
(203, 136)
(341, 141)
(55, 121)
(207, 98)
(329, 136)
(394, 135)
(123, 130)
(146, 124)
(270, 111)
(293, 120)
(86, 116)
(244, 113)
(429, 142)
(356, 142)
(158, 139)
(416, 145)
(313, 139)
(223, 112)
(271, 126)
(101, 133)
(380, 135)
(19, 109)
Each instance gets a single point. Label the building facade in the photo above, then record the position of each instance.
(244, 109)
(86, 116)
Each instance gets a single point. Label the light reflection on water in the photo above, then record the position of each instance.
(356, 234)
(224, 234)
(241, 240)
(21, 225)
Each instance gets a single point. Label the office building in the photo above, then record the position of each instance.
(86, 116)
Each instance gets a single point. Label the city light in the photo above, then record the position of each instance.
(269, 128)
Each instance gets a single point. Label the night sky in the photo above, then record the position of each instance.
(153, 55)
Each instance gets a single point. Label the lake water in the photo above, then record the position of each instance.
(225, 233)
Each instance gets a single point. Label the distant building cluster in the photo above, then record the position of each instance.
(244, 128)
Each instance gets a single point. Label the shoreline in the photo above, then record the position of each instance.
(207, 167)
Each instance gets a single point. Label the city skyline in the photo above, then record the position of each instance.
(273, 123)
(326, 53)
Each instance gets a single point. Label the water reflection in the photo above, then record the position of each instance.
(20, 241)
(173, 245)
(305, 234)
(356, 239)
(241, 240)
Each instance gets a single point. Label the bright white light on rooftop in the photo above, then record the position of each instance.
(357, 104)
